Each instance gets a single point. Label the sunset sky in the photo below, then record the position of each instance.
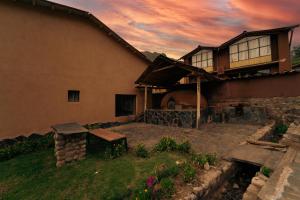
(175, 27)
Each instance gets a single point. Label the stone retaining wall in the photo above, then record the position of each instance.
(211, 180)
(69, 148)
(286, 109)
(184, 118)
(257, 182)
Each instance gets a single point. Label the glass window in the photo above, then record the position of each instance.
(254, 53)
(73, 95)
(203, 59)
(243, 46)
(233, 49)
(265, 51)
(253, 44)
(124, 105)
(209, 55)
(264, 41)
(204, 56)
(194, 59)
(255, 47)
(243, 55)
(234, 57)
(210, 63)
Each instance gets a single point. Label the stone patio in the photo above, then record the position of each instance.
(218, 138)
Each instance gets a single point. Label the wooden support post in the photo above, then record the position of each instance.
(198, 102)
(145, 102)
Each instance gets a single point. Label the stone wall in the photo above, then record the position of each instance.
(240, 114)
(286, 109)
(178, 118)
(246, 110)
(69, 148)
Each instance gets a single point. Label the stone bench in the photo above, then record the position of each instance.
(109, 136)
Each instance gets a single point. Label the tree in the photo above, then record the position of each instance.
(296, 55)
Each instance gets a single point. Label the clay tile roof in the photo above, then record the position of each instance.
(44, 4)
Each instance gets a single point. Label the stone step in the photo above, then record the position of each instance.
(258, 182)
(254, 189)
(249, 196)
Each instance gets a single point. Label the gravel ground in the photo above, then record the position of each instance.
(218, 138)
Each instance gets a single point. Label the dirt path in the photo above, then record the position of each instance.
(219, 138)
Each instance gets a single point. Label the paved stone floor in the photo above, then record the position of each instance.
(218, 138)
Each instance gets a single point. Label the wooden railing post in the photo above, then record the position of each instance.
(145, 102)
(198, 102)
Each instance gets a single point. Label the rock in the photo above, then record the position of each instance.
(60, 163)
(60, 153)
(263, 177)
(190, 197)
(206, 166)
(235, 186)
(258, 182)
(196, 190)
(252, 188)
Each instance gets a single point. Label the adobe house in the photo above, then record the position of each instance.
(251, 80)
(60, 64)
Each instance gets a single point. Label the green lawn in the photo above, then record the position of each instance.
(34, 176)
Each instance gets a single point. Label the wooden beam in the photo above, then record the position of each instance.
(145, 102)
(163, 68)
(198, 102)
(291, 38)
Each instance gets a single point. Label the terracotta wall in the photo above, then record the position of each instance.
(284, 52)
(44, 54)
(264, 87)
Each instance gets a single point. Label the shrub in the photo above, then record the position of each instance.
(266, 171)
(167, 187)
(184, 147)
(199, 159)
(211, 158)
(189, 172)
(163, 171)
(280, 129)
(166, 144)
(27, 145)
(145, 189)
(143, 194)
(141, 151)
(118, 150)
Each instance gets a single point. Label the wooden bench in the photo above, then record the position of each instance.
(110, 136)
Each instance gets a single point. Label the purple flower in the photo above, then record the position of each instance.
(151, 181)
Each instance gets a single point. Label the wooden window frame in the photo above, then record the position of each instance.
(205, 60)
(248, 49)
(73, 95)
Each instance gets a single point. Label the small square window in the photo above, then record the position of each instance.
(73, 95)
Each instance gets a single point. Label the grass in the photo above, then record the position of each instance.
(34, 176)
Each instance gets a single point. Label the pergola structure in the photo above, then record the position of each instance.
(165, 72)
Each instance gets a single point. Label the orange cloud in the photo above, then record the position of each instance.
(175, 27)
